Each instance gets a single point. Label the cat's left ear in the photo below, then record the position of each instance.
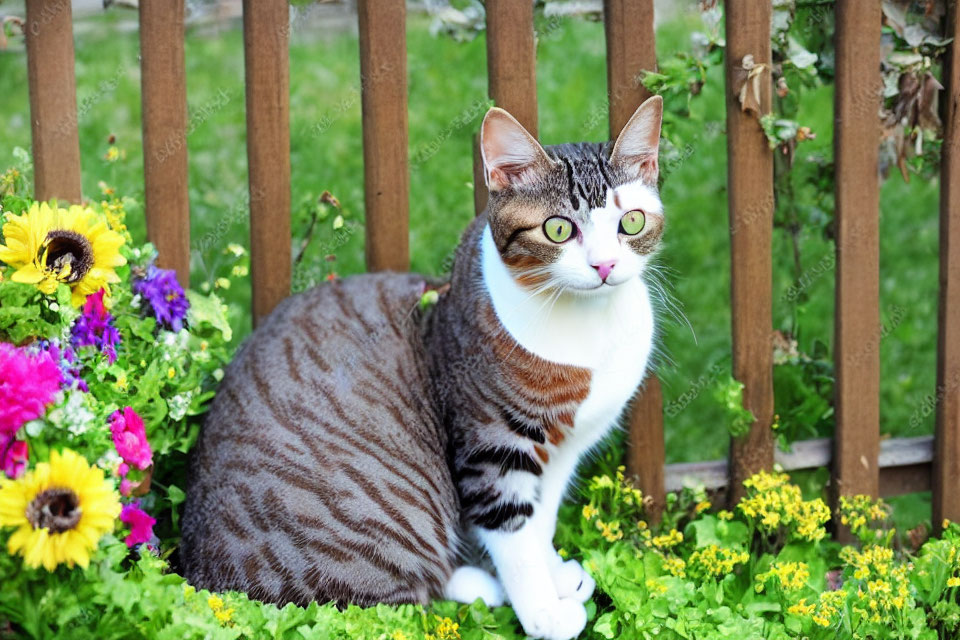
(511, 156)
(638, 145)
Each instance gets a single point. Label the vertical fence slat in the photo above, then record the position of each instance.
(512, 60)
(857, 319)
(646, 450)
(267, 61)
(511, 71)
(750, 200)
(164, 98)
(386, 172)
(628, 26)
(946, 498)
(53, 100)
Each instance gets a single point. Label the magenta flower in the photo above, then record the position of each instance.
(141, 524)
(13, 456)
(165, 296)
(130, 438)
(94, 327)
(28, 383)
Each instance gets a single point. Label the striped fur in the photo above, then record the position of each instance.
(318, 476)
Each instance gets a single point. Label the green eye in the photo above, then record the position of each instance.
(558, 229)
(632, 222)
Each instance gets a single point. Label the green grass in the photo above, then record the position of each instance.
(447, 82)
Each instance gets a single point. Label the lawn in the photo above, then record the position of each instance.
(447, 84)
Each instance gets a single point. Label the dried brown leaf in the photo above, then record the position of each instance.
(895, 14)
(928, 102)
(747, 79)
(918, 536)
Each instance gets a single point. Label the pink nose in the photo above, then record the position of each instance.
(604, 268)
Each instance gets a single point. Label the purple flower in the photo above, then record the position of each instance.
(165, 296)
(141, 524)
(66, 359)
(94, 327)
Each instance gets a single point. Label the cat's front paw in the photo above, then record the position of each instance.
(561, 619)
(572, 581)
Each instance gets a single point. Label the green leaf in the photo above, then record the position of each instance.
(208, 310)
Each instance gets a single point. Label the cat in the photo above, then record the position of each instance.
(363, 449)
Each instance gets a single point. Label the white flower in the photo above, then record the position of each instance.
(110, 461)
(73, 415)
(179, 404)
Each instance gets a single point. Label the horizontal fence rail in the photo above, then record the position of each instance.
(904, 463)
(860, 461)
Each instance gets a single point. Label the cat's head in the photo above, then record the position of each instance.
(582, 217)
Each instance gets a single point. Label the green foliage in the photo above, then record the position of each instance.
(729, 394)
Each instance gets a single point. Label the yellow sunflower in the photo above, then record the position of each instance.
(75, 246)
(61, 509)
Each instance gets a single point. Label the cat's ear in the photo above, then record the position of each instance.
(638, 145)
(511, 156)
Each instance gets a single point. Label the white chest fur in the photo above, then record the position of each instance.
(611, 335)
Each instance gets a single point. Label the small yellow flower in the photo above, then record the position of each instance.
(171, 373)
(675, 566)
(222, 614)
(702, 506)
(668, 540)
(715, 561)
(791, 576)
(611, 532)
(447, 629)
(723, 514)
(122, 382)
(113, 154)
(953, 582)
(656, 587)
(590, 512)
(802, 608)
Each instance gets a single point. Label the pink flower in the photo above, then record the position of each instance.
(130, 438)
(28, 383)
(13, 456)
(141, 524)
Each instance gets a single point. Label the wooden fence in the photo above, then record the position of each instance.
(860, 462)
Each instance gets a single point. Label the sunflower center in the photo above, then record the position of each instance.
(55, 509)
(67, 253)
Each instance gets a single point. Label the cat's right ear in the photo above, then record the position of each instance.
(511, 156)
